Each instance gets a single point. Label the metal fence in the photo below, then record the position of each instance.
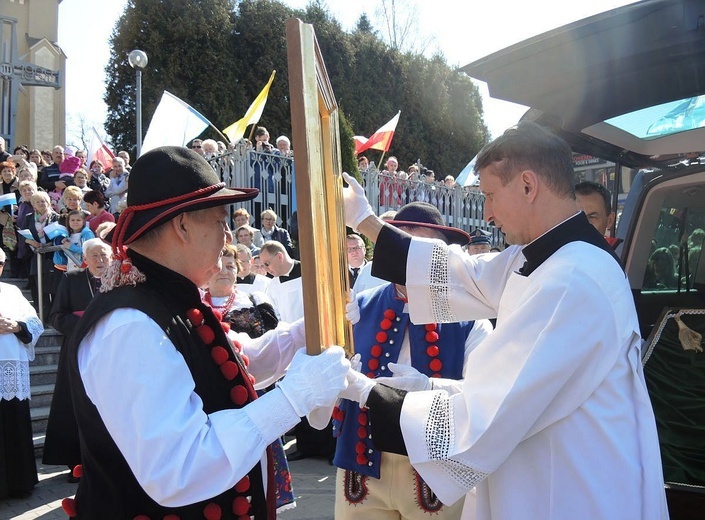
(275, 176)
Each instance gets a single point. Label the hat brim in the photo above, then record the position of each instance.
(454, 235)
(146, 220)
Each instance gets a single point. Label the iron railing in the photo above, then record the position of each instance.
(275, 175)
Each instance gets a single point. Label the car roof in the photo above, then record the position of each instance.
(577, 78)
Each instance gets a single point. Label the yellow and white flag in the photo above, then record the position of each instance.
(253, 114)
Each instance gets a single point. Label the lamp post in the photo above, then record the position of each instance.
(138, 61)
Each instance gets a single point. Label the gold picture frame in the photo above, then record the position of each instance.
(319, 195)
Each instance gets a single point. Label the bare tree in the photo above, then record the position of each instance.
(401, 21)
(78, 131)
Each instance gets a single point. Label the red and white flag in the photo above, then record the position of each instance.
(100, 152)
(380, 140)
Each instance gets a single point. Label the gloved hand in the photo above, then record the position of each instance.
(352, 309)
(357, 208)
(406, 377)
(356, 363)
(315, 381)
(359, 387)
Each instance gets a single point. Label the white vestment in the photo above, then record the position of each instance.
(554, 421)
(287, 298)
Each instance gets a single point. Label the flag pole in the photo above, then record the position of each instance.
(252, 131)
(219, 132)
(379, 166)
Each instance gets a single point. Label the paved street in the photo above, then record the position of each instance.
(313, 481)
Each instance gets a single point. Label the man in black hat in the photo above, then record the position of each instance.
(420, 356)
(169, 420)
(479, 242)
(552, 385)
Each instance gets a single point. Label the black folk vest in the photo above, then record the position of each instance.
(108, 489)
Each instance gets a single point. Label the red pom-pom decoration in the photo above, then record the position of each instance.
(432, 336)
(386, 324)
(373, 364)
(69, 507)
(362, 419)
(433, 350)
(141, 517)
(371, 375)
(77, 471)
(390, 314)
(435, 365)
(241, 506)
(219, 355)
(226, 326)
(212, 512)
(238, 395)
(195, 316)
(435, 374)
(206, 334)
(362, 432)
(381, 337)
(430, 326)
(360, 448)
(172, 517)
(230, 370)
(125, 267)
(338, 414)
(361, 460)
(243, 485)
(376, 350)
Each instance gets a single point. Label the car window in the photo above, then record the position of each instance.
(676, 248)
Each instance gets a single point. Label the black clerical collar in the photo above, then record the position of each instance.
(576, 229)
(293, 274)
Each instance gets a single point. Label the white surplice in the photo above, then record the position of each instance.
(554, 421)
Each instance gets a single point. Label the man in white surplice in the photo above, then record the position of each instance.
(553, 421)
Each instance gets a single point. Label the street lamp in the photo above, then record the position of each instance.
(138, 61)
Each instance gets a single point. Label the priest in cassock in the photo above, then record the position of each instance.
(557, 389)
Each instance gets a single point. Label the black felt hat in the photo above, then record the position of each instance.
(480, 236)
(427, 215)
(166, 182)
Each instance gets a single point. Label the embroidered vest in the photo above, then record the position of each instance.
(437, 350)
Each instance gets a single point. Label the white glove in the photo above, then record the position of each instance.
(359, 387)
(315, 381)
(406, 377)
(352, 309)
(357, 208)
(356, 363)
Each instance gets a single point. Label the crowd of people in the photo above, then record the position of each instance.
(479, 388)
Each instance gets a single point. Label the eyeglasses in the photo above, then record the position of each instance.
(196, 146)
(268, 218)
(354, 249)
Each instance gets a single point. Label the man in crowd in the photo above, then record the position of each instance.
(356, 257)
(479, 242)
(125, 156)
(596, 202)
(168, 417)
(555, 385)
(49, 177)
(284, 146)
(75, 292)
(82, 156)
(4, 154)
(197, 146)
(371, 484)
(285, 290)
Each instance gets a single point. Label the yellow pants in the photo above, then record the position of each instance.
(396, 495)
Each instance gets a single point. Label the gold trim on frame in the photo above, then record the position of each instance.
(319, 195)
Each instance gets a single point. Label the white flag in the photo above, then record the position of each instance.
(174, 123)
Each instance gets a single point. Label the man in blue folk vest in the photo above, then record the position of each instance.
(370, 484)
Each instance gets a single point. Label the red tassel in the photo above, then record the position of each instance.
(77, 471)
(69, 507)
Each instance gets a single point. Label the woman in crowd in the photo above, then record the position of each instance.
(71, 201)
(24, 208)
(96, 177)
(254, 315)
(20, 329)
(80, 180)
(36, 157)
(8, 214)
(661, 271)
(35, 223)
